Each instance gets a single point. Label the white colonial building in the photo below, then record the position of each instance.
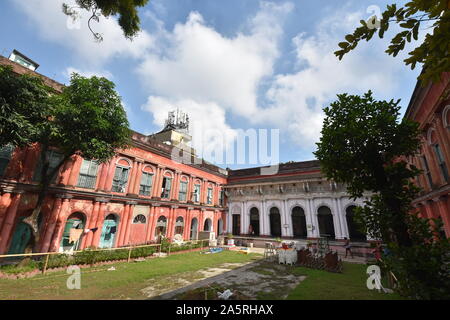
(297, 202)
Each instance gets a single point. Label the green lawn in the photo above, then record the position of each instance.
(349, 285)
(125, 282)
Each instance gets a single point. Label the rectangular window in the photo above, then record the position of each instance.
(221, 197)
(120, 179)
(88, 174)
(166, 186)
(5, 157)
(426, 170)
(54, 158)
(209, 199)
(196, 194)
(441, 162)
(146, 184)
(183, 191)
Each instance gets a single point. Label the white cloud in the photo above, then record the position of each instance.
(195, 61)
(53, 25)
(87, 73)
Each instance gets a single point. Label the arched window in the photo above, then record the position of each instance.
(354, 229)
(166, 186)
(275, 222)
(326, 225)
(73, 232)
(145, 187)
(254, 221)
(179, 225)
(207, 226)
(140, 218)
(121, 174)
(160, 229)
(194, 229)
(299, 223)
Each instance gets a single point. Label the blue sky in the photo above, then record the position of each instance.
(231, 65)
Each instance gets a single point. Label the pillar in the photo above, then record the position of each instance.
(5, 201)
(123, 225)
(87, 241)
(74, 172)
(150, 224)
(126, 240)
(99, 223)
(59, 226)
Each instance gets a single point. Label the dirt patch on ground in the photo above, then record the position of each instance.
(253, 280)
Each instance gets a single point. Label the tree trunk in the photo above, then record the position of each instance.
(46, 179)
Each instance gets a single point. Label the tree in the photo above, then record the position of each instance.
(365, 147)
(126, 9)
(86, 119)
(432, 53)
(23, 103)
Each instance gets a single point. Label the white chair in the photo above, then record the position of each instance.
(281, 256)
(290, 257)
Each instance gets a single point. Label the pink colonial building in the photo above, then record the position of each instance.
(136, 197)
(430, 107)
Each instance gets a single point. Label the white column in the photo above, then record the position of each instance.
(262, 220)
(310, 219)
(285, 231)
(336, 219)
(229, 218)
(342, 216)
(314, 220)
(243, 220)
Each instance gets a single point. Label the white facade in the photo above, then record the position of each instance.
(309, 196)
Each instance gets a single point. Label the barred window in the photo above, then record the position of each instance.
(54, 158)
(120, 179)
(166, 186)
(426, 170)
(183, 191)
(5, 157)
(146, 184)
(88, 174)
(221, 197)
(441, 162)
(196, 194)
(209, 199)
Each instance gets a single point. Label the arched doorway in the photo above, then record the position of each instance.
(179, 226)
(254, 221)
(326, 225)
(275, 222)
(73, 232)
(207, 225)
(23, 239)
(194, 229)
(160, 229)
(353, 227)
(109, 231)
(299, 223)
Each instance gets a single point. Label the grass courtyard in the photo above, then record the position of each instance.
(154, 278)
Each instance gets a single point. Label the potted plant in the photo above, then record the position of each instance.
(230, 240)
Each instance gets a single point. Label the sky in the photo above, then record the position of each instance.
(236, 67)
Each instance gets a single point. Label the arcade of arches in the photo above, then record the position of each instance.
(294, 221)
